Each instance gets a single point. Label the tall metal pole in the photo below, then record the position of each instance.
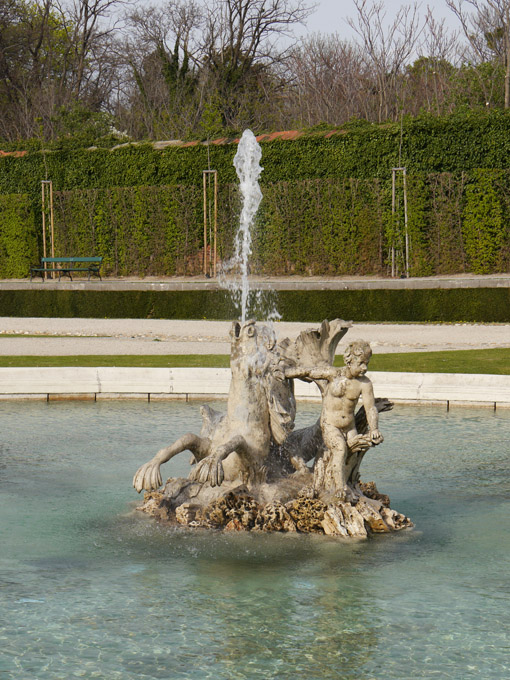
(405, 222)
(208, 219)
(215, 221)
(43, 206)
(405, 250)
(51, 222)
(204, 175)
(47, 208)
(393, 223)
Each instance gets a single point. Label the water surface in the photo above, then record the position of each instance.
(92, 589)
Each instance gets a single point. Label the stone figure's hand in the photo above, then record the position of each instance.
(359, 443)
(148, 477)
(376, 437)
(279, 373)
(210, 469)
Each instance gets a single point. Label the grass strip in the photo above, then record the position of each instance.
(486, 361)
(481, 361)
(133, 360)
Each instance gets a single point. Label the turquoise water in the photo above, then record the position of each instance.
(92, 589)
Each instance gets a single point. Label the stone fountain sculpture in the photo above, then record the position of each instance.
(252, 471)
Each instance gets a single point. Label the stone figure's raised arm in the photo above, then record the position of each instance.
(317, 373)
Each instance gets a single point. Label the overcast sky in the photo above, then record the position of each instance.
(330, 15)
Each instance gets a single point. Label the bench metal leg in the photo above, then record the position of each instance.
(37, 273)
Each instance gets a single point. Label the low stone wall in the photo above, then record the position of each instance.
(50, 383)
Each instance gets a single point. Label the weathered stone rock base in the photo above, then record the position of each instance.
(238, 509)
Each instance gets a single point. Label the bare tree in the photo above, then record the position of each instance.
(327, 80)
(242, 47)
(431, 78)
(486, 25)
(53, 58)
(241, 32)
(88, 24)
(175, 20)
(387, 46)
(195, 64)
(161, 52)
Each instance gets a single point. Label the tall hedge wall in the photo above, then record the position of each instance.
(312, 227)
(326, 206)
(18, 238)
(315, 227)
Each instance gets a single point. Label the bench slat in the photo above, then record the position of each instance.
(71, 259)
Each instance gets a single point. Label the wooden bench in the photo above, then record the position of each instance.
(63, 266)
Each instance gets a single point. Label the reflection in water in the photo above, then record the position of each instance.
(92, 588)
(320, 608)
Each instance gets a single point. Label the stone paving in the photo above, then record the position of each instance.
(48, 336)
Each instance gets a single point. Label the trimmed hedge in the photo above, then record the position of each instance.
(18, 239)
(326, 207)
(425, 144)
(313, 227)
(480, 305)
(316, 227)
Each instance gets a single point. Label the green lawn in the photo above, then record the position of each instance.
(145, 361)
(495, 361)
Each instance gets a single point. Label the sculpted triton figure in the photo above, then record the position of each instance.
(260, 408)
(339, 463)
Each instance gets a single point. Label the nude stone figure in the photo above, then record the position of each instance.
(341, 392)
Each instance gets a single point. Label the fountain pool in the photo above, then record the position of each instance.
(92, 588)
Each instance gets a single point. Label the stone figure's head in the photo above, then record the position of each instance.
(251, 336)
(357, 354)
(243, 335)
(252, 342)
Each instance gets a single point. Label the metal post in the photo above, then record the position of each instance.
(206, 174)
(47, 197)
(43, 206)
(215, 251)
(405, 222)
(52, 232)
(404, 253)
(393, 223)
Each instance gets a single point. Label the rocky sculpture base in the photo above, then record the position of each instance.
(232, 507)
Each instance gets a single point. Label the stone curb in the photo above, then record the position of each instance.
(94, 383)
(423, 283)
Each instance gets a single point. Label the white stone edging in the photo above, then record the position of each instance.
(188, 383)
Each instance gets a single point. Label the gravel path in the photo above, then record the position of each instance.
(160, 336)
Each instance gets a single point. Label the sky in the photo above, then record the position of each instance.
(330, 15)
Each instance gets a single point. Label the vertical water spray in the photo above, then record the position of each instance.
(256, 303)
(247, 165)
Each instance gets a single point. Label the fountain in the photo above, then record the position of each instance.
(250, 470)
(247, 165)
(234, 273)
